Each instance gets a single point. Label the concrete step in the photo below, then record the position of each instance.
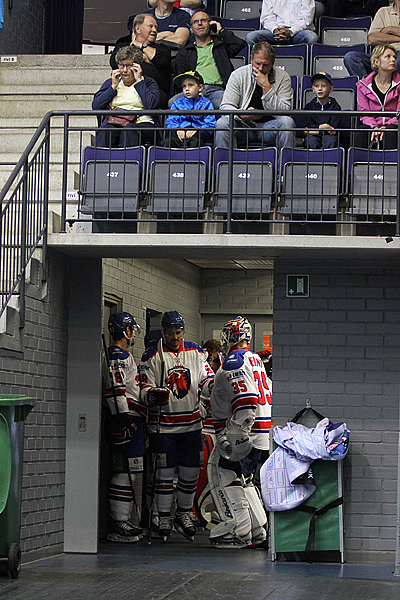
(18, 140)
(42, 104)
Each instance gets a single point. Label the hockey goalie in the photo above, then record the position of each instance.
(241, 410)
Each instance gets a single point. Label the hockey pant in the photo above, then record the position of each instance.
(182, 453)
(238, 504)
(120, 492)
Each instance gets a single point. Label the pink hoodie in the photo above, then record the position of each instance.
(367, 100)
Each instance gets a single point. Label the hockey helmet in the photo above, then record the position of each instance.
(172, 320)
(235, 331)
(118, 322)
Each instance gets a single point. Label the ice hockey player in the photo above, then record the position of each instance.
(171, 377)
(124, 429)
(241, 410)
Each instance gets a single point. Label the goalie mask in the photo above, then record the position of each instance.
(118, 323)
(235, 331)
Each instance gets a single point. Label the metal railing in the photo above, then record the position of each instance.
(24, 210)
(255, 189)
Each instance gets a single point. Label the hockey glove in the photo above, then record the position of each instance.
(234, 442)
(123, 429)
(157, 396)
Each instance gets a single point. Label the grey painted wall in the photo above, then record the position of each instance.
(341, 348)
(23, 30)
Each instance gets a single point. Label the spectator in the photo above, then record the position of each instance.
(258, 86)
(190, 6)
(173, 23)
(190, 130)
(285, 22)
(156, 57)
(212, 349)
(209, 54)
(321, 129)
(128, 89)
(385, 29)
(379, 91)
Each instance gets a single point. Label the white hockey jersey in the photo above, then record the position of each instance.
(243, 391)
(186, 373)
(125, 378)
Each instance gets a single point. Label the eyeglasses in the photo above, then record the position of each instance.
(121, 67)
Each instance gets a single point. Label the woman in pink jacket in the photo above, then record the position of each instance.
(379, 91)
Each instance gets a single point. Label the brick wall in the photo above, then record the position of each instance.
(23, 28)
(157, 284)
(340, 348)
(237, 290)
(39, 371)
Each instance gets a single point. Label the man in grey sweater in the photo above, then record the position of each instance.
(258, 86)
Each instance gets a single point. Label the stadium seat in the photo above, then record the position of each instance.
(311, 181)
(347, 31)
(330, 58)
(372, 182)
(294, 80)
(253, 183)
(240, 27)
(241, 9)
(111, 180)
(292, 58)
(241, 58)
(177, 180)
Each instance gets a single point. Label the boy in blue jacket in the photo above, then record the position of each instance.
(190, 130)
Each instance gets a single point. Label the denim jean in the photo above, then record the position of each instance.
(270, 133)
(305, 36)
(358, 63)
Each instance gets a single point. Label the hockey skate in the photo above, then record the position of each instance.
(123, 531)
(228, 540)
(164, 527)
(184, 524)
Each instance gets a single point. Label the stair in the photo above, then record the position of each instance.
(35, 85)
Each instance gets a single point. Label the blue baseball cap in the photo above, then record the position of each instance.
(322, 75)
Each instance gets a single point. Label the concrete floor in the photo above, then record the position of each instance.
(195, 570)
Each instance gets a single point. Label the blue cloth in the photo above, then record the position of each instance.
(192, 121)
(177, 18)
(1, 14)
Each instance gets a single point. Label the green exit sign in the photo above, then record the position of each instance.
(297, 286)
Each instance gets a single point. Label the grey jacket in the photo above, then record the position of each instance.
(241, 85)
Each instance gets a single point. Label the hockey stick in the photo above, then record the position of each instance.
(124, 450)
(155, 460)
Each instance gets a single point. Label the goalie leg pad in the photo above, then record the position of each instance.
(230, 500)
(257, 512)
(120, 497)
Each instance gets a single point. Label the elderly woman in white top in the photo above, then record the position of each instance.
(128, 89)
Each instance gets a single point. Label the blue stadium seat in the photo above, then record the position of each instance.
(241, 9)
(111, 180)
(253, 182)
(311, 181)
(330, 58)
(372, 182)
(177, 180)
(346, 31)
(292, 58)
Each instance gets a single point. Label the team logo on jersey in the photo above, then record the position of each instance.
(178, 381)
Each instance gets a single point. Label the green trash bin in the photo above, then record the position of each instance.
(13, 412)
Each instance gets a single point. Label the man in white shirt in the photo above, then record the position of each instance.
(285, 22)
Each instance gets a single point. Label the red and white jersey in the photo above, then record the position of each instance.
(243, 391)
(186, 373)
(125, 378)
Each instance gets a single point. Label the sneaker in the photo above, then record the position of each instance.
(123, 531)
(164, 526)
(184, 524)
